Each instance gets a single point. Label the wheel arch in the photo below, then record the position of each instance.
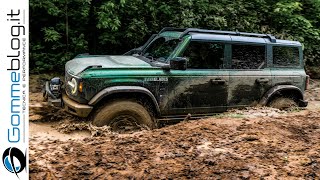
(126, 92)
(282, 91)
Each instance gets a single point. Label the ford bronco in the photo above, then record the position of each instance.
(180, 72)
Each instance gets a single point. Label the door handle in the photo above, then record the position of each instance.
(262, 80)
(218, 81)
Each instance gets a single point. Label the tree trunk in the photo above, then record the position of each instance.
(92, 30)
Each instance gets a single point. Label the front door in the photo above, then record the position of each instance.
(203, 87)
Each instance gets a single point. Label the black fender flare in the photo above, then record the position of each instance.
(123, 89)
(274, 90)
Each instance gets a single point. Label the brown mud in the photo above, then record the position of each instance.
(252, 143)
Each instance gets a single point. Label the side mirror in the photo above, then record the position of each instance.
(178, 63)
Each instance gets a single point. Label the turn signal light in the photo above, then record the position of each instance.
(80, 86)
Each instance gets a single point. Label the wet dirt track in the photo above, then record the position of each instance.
(255, 143)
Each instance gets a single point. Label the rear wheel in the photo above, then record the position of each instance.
(123, 116)
(283, 103)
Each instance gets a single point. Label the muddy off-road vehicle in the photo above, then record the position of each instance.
(183, 72)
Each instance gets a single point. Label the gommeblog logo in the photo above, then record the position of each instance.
(14, 160)
(15, 56)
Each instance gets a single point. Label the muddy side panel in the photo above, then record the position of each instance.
(177, 91)
(289, 76)
(195, 92)
(246, 87)
(151, 79)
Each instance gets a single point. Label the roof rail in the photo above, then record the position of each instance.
(171, 29)
(236, 33)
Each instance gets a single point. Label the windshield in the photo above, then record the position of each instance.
(161, 48)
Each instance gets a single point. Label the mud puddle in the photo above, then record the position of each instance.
(252, 143)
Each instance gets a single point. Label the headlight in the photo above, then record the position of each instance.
(73, 85)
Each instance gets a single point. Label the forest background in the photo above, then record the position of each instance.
(61, 29)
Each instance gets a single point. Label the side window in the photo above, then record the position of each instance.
(161, 48)
(248, 56)
(285, 56)
(204, 55)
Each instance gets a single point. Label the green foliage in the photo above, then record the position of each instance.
(57, 29)
(51, 35)
(61, 29)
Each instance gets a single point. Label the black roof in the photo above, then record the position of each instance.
(186, 31)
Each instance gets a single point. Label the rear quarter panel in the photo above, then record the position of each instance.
(289, 76)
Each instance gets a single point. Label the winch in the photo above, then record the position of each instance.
(52, 92)
(55, 86)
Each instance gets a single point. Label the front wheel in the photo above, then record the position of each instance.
(124, 115)
(283, 103)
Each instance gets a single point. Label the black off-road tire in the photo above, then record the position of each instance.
(283, 103)
(120, 114)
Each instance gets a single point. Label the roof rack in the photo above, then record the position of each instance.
(171, 29)
(195, 30)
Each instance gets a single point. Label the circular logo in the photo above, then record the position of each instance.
(14, 160)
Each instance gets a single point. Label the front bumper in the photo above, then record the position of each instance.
(75, 108)
(66, 103)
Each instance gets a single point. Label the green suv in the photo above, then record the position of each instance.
(183, 72)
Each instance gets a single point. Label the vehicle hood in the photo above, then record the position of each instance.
(79, 64)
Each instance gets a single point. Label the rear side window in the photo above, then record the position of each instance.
(285, 56)
(248, 56)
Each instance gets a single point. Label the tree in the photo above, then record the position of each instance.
(61, 29)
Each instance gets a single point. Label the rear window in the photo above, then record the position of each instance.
(285, 56)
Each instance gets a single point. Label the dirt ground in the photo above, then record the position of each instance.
(253, 143)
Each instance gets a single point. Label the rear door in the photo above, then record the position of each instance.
(249, 77)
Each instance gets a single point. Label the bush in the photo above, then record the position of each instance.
(61, 29)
